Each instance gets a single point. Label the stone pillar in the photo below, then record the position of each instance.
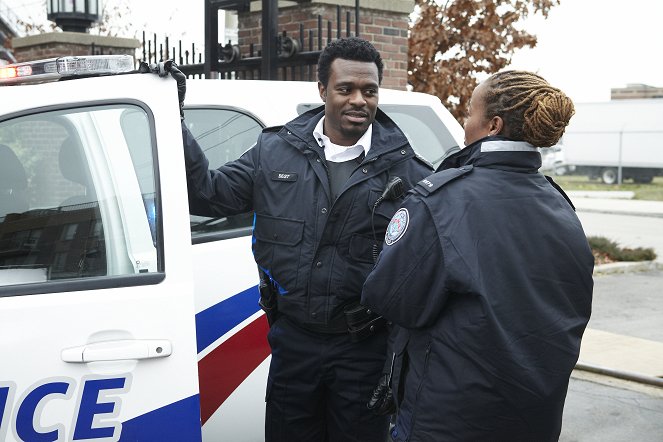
(60, 44)
(382, 22)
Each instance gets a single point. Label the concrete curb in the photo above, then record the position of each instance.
(621, 374)
(611, 194)
(620, 353)
(627, 267)
(620, 212)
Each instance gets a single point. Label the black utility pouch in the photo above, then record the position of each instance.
(267, 300)
(362, 322)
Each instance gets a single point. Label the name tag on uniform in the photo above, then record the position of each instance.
(284, 176)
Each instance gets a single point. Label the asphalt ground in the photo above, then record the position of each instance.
(599, 408)
(605, 409)
(624, 334)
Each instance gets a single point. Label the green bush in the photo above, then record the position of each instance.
(605, 247)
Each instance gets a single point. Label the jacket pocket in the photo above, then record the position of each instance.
(277, 248)
(361, 247)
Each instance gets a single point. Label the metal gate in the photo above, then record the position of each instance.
(281, 56)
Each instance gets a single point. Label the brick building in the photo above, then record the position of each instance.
(58, 44)
(382, 22)
(633, 91)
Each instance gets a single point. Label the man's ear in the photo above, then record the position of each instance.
(323, 92)
(496, 125)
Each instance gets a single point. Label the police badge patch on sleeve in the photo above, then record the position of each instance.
(397, 227)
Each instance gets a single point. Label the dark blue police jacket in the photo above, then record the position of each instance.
(487, 268)
(317, 251)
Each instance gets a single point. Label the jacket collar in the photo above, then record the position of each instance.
(386, 135)
(497, 153)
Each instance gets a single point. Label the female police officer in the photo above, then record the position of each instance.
(488, 268)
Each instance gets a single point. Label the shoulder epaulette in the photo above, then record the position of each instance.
(432, 183)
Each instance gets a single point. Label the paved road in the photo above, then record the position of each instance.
(599, 408)
(602, 409)
(630, 304)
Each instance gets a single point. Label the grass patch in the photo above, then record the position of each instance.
(606, 251)
(649, 192)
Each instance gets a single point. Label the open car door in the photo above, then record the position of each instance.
(96, 291)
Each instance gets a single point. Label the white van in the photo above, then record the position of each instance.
(122, 317)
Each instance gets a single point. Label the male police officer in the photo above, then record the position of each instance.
(316, 186)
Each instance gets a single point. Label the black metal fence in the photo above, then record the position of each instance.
(189, 61)
(297, 54)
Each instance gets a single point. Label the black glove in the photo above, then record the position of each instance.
(382, 401)
(163, 68)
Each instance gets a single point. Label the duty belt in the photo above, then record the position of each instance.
(358, 321)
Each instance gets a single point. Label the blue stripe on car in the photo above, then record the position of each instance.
(217, 320)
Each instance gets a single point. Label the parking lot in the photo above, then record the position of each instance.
(605, 409)
(627, 306)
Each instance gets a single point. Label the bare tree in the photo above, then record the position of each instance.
(113, 21)
(451, 41)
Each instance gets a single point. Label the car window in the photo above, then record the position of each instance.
(428, 136)
(224, 135)
(77, 195)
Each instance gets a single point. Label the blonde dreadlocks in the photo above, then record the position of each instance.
(531, 109)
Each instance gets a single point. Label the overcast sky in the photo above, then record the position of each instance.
(586, 47)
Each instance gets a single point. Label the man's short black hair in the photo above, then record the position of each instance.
(351, 48)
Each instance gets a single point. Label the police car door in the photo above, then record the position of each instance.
(97, 334)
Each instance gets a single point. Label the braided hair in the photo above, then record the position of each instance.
(532, 110)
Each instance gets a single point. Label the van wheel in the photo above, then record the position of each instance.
(609, 175)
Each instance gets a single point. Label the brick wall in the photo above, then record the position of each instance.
(386, 30)
(43, 170)
(59, 44)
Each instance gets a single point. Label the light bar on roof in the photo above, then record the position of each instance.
(63, 67)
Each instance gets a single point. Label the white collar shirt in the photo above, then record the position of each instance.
(339, 154)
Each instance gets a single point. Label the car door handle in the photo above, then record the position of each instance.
(118, 350)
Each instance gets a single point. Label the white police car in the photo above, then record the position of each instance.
(122, 317)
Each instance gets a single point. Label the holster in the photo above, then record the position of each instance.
(268, 293)
(362, 322)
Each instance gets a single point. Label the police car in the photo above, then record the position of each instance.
(122, 317)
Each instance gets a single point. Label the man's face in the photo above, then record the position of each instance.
(351, 100)
(476, 125)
